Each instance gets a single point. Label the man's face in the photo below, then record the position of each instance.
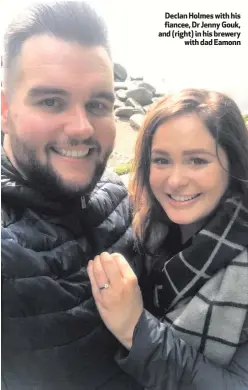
(59, 125)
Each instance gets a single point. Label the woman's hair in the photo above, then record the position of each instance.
(223, 119)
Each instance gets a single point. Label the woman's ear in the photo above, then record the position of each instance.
(4, 112)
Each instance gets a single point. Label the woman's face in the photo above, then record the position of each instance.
(186, 175)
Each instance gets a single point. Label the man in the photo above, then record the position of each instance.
(57, 209)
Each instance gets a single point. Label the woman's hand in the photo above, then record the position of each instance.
(117, 294)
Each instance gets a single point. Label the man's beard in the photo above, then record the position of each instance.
(45, 179)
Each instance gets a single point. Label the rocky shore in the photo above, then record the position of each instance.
(133, 98)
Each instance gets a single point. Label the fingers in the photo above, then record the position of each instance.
(100, 275)
(124, 267)
(94, 286)
(111, 269)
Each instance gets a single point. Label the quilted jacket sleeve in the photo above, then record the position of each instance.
(160, 360)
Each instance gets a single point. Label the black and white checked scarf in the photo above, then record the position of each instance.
(204, 288)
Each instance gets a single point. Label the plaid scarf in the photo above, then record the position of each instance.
(204, 289)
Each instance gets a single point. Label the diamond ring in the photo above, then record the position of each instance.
(105, 286)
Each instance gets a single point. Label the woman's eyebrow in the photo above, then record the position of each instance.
(187, 152)
(198, 151)
(160, 151)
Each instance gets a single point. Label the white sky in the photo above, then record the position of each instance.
(134, 26)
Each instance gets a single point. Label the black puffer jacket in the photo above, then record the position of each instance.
(53, 338)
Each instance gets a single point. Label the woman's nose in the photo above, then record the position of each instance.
(177, 178)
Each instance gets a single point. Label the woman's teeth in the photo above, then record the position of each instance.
(183, 198)
(73, 153)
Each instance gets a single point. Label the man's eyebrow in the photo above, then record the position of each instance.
(104, 95)
(46, 90)
(187, 152)
(40, 91)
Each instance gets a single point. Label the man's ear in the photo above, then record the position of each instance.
(4, 112)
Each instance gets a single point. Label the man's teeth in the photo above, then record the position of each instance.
(73, 153)
(183, 198)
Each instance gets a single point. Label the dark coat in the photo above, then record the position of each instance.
(160, 360)
(162, 356)
(52, 336)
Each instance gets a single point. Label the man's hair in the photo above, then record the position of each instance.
(72, 21)
(221, 116)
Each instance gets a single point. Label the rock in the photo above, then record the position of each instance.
(120, 85)
(136, 120)
(121, 94)
(147, 108)
(148, 86)
(130, 102)
(133, 103)
(137, 78)
(120, 73)
(141, 95)
(159, 94)
(118, 104)
(126, 112)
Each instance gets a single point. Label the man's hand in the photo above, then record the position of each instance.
(117, 295)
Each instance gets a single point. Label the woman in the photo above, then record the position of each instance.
(190, 199)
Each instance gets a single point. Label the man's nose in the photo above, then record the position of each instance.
(78, 124)
(177, 177)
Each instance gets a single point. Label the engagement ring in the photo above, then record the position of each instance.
(106, 285)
